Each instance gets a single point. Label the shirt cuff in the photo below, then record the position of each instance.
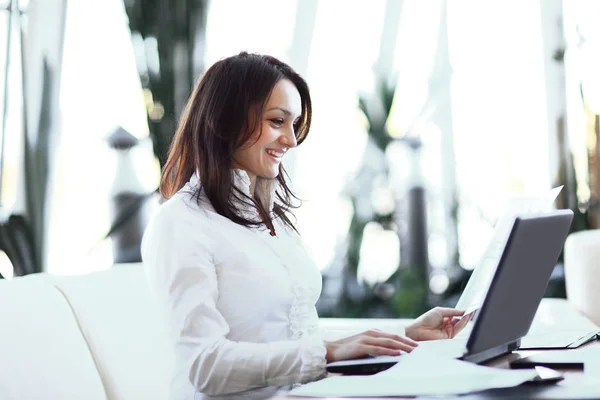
(313, 352)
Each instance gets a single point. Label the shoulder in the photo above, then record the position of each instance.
(179, 211)
(179, 221)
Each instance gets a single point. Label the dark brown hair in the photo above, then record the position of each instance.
(215, 123)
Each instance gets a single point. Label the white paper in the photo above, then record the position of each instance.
(417, 375)
(444, 348)
(519, 206)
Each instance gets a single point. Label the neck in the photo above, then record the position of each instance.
(252, 185)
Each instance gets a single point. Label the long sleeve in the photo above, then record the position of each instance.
(182, 272)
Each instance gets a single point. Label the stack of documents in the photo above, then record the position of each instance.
(418, 374)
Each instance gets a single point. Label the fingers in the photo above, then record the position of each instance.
(454, 325)
(387, 343)
(449, 312)
(461, 323)
(380, 334)
(379, 351)
(368, 343)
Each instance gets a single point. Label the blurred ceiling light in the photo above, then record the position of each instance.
(148, 99)
(157, 112)
(379, 254)
(439, 282)
(152, 59)
(139, 49)
(382, 197)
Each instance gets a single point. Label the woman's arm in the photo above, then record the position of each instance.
(182, 274)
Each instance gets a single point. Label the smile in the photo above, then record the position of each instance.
(275, 153)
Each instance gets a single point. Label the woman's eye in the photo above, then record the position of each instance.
(277, 121)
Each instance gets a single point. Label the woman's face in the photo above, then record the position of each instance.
(274, 135)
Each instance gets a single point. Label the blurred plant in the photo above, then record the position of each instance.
(405, 292)
(168, 40)
(586, 211)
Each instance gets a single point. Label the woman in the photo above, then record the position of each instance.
(223, 256)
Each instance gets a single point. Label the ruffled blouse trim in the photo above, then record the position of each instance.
(313, 360)
(303, 322)
(265, 191)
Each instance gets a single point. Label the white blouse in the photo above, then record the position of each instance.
(239, 302)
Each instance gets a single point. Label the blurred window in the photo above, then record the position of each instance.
(100, 90)
(499, 112)
(11, 118)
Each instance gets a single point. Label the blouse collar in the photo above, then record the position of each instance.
(264, 190)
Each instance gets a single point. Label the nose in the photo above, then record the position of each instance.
(289, 137)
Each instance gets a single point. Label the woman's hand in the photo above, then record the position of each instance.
(438, 323)
(371, 342)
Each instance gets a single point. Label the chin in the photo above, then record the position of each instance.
(272, 174)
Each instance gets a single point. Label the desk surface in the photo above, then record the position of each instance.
(552, 314)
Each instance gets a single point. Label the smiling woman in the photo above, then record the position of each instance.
(245, 112)
(237, 288)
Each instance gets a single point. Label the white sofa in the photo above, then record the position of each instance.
(582, 272)
(85, 337)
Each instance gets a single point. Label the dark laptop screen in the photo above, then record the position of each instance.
(520, 280)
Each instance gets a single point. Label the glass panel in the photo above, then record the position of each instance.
(340, 65)
(498, 111)
(13, 140)
(256, 28)
(3, 47)
(100, 90)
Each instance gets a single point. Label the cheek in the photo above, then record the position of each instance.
(267, 137)
(249, 155)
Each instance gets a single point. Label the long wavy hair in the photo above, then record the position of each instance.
(215, 123)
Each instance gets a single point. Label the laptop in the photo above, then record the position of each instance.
(512, 299)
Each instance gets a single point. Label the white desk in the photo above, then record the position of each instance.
(553, 314)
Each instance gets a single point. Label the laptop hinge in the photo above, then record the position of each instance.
(492, 353)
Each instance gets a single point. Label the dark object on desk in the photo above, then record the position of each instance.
(513, 297)
(550, 359)
(363, 366)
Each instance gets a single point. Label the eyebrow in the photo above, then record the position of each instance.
(283, 110)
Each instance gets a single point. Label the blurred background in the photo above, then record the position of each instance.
(428, 117)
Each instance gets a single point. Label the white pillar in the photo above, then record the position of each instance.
(440, 98)
(551, 14)
(387, 44)
(299, 55)
(43, 38)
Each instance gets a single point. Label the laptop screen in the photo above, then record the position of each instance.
(520, 281)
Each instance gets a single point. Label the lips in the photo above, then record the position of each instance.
(276, 153)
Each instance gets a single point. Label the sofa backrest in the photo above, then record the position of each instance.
(95, 336)
(42, 352)
(119, 319)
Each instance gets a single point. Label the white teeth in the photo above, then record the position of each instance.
(275, 153)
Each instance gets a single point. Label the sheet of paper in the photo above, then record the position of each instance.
(521, 205)
(418, 375)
